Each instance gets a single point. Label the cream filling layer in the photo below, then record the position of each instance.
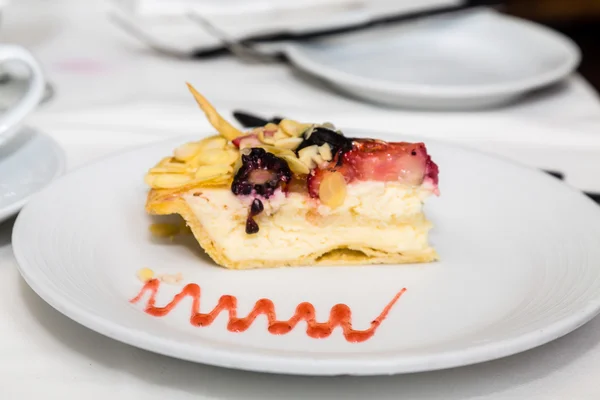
(375, 215)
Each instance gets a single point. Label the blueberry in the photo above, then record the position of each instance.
(256, 207)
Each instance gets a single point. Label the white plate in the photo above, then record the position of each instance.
(27, 164)
(463, 60)
(519, 267)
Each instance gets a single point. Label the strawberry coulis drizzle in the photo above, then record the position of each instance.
(340, 315)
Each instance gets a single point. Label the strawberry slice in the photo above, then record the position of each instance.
(376, 160)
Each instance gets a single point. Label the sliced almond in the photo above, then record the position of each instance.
(219, 180)
(208, 172)
(293, 128)
(167, 181)
(307, 155)
(179, 169)
(149, 179)
(187, 151)
(250, 141)
(213, 142)
(164, 161)
(218, 122)
(332, 191)
(225, 157)
(232, 156)
(171, 167)
(297, 166)
(228, 155)
(220, 157)
(265, 139)
(325, 152)
(309, 131)
(237, 165)
(310, 164)
(309, 151)
(289, 156)
(279, 152)
(318, 160)
(177, 166)
(290, 143)
(280, 135)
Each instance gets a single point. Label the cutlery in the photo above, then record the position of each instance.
(244, 47)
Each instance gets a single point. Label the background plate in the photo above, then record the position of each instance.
(463, 60)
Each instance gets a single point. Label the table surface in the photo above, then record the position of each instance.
(42, 352)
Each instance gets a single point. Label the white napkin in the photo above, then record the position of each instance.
(166, 24)
(285, 8)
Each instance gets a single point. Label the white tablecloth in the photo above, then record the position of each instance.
(112, 94)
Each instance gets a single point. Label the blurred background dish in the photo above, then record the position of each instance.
(14, 85)
(15, 79)
(165, 25)
(14, 114)
(461, 59)
(27, 164)
(464, 60)
(29, 159)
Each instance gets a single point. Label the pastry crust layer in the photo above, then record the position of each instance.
(171, 201)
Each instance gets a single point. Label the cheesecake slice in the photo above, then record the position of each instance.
(297, 194)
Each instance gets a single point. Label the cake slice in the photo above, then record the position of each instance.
(297, 194)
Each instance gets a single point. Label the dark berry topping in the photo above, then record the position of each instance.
(251, 226)
(321, 135)
(252, 121)
(261, 172)
(256, 207)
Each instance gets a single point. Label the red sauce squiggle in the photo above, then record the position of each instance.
(340, 315)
